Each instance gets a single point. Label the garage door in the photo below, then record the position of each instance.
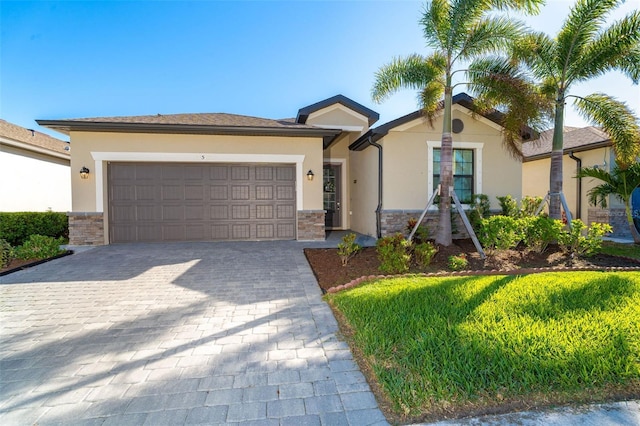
(194, 202)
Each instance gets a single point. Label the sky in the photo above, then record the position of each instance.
(75, 59)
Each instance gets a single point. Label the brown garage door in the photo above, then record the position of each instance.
(195, 202)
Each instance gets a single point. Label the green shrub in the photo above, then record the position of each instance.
(393, 253)
(6, 253)
(529, 205)
(458, 262)
(422, 233)
(348, 248)
(499, 233)
(575, 243)
(539, 231)
(423, 253)
(16, 227)
(509, 206)
(39, 247)
(480, 208)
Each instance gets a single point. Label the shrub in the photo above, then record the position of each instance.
(348, 248)
(423, 253)
(393, 253)
(499, 233)
(480, 208)
(16, 227)
(422, 233)
(6, 253)
(509, 206)
(575, 243)
(539, 231)
(458, 262)
(529, 205)
(39, 247)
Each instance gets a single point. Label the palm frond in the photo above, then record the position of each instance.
(429, 99)
(531, 7)
(537, 52)
(619, 182)
(490, 35)
(610, 50)
(617, 119)
(580, 28)
(413, 72)
(435, 22)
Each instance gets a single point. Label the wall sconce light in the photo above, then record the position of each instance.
(84, 173)
(310, 175)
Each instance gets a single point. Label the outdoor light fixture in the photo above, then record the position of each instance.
(310, 175)
(84, 173)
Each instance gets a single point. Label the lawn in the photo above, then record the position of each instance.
(618, 249)
(450, 347)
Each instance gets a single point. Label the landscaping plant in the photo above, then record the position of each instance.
(509, 206)
(422, 233)
(39, 247)
(423, 253)
(458, 262)
(499, 233)
(6, 253)
(394, 254)
(16, 227)
(348, 248)
(539, 231)
(575, 243)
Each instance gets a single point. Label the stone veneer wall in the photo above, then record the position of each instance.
(615, 217)
(311, 225)
(394, 221)
(86, 228)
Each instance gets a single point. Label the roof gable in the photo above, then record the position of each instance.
(369, 114)
(32, 140)
(461, 99)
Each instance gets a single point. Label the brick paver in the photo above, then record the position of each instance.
(185, 333)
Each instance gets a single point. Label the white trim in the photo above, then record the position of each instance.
(184, 157)
(341, 127)
(335, 106)
(343, 181)
(477, 164)
(36, 149)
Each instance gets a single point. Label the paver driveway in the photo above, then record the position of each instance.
(185, 333)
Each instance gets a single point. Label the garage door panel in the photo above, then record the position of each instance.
(194, 202)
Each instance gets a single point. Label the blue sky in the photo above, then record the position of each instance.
(262, 58)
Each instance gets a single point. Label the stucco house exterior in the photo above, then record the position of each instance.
(34, 171)
(190, 177)
(583, 147)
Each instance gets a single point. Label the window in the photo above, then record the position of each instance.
(462, 173)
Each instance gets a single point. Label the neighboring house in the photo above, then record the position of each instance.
(34, 171)
(188, 177)
(583, 147)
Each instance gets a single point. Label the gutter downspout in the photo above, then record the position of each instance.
(379, 207)
(578, 185)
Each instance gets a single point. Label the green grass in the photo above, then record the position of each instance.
(618, 249)
(435, 344)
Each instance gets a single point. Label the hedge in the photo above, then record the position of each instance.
(17, 227)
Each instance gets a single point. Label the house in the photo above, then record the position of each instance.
(189, 177)
(34, 171)
(583, 147)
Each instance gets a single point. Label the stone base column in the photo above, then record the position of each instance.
(615, 217)
(394, 221)
(311, 225)
(86, 228)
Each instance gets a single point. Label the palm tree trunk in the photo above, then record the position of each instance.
(443, 237)
(555, 175)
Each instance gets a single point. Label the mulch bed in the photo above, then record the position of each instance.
(329, 272)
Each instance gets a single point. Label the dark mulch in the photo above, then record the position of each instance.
(329, 272)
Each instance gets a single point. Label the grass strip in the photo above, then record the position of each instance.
(437, 343)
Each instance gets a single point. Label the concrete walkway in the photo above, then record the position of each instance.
(193, 333)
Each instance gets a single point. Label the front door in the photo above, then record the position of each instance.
(332, 196)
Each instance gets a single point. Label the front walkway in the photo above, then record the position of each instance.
(185, 333)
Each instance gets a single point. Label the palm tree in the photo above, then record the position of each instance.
(457, 30)
(620, 183)
(583, 49)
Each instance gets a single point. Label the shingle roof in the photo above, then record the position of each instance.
(33, 138)
(197, 123)
(575, 139)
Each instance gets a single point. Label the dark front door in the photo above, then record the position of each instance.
(332, 196)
